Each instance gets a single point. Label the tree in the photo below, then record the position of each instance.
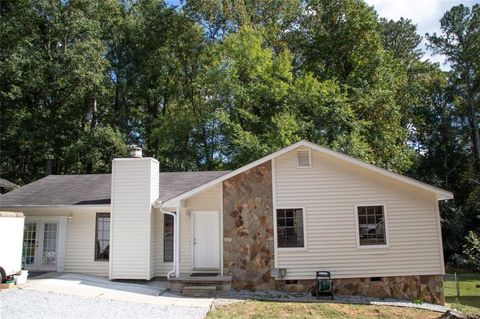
(53, 79)
(460, 43)
(216, 84)
(247, 86)
(340, 41)
(401, 38)
(471, 249)
(221, 18)
(165, 56)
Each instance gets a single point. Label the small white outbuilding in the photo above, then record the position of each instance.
(11, 239)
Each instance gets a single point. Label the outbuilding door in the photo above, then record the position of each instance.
(206, 240)
(40, 245)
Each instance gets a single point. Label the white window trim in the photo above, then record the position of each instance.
(309, 157)
(162, 225)
(357, 234)
(95, 238)
(304, 216)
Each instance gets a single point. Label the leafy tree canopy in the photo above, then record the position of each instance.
(217, 84)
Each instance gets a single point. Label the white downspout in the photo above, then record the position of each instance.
(176, 245)
(175, 241)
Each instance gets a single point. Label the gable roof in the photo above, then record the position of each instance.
(95, 189)
(441, 193)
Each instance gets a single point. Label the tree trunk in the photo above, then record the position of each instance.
(118, 116)
(475, 134)
(472, 120)
(93, 124)
(89, 168)
(49, 167)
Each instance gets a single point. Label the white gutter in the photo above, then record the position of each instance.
(176, 221)
(176, 242)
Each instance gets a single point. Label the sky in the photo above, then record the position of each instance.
(426, 14)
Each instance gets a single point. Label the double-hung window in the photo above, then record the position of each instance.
(371, 225)
(290, 230)
(102, 236)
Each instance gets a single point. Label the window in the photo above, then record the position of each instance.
(102, 236)
(371, 225)
(304, 159)
(290, 228)
(167, 238)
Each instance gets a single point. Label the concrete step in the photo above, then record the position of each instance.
(199, 291)
(176, 284)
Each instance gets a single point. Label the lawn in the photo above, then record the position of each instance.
(469, 300)
(261, 309)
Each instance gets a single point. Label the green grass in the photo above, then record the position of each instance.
(286, 310)
(469, 300)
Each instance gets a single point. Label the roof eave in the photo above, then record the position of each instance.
(54, 206)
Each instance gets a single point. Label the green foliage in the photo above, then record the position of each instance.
(460, 42)
(94, 151)
(223, 17)
(401, 38)
(458, 125)
(218, 84)
(471, 250)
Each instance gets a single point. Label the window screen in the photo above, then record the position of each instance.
(102, 236)
(167, 238)
(290, 227)
(371, 225)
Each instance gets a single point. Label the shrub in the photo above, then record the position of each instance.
(471, 250)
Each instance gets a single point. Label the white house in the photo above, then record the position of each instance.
(270, 224)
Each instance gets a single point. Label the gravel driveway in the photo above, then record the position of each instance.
(22, 303)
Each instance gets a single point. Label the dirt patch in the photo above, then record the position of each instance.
(261, 309)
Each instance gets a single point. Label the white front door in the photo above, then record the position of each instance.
(206, 240)
(40, 242)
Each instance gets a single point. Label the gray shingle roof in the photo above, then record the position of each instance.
(94, 189)
(175, 183)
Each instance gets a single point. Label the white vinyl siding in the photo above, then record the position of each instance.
(81, 244)
(330, 192)
(185, 242)
(209, 200)
(133, 192)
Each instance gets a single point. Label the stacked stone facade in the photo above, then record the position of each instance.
(428, 288)
(248, 251)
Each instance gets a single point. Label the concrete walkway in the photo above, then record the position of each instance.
(149, 292)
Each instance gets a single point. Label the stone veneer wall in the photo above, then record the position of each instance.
(248, 249)
(428, 288)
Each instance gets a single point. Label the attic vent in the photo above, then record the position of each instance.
(304, 159)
